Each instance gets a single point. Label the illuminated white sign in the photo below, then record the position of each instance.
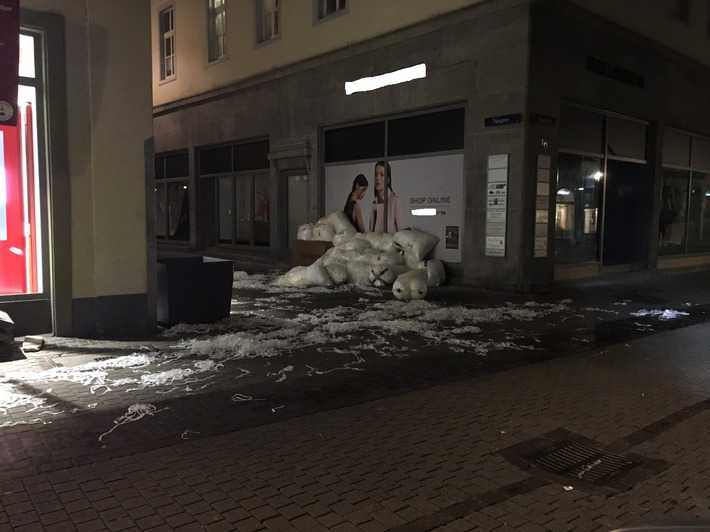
(392, 78)
(423, 212)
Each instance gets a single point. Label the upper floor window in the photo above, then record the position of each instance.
(167, 43)
(327, 8)
(216, 28)
(268, 19)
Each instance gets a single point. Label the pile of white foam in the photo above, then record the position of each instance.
(368, 259)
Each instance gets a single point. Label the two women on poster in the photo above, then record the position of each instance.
(384, 202)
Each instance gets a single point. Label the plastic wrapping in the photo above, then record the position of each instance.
(411, 285)
(338, 273)
(435, 272)
(323, 232)
(305, 232)
(417, 243)
(305, 276)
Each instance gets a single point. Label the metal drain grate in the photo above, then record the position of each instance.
(569, 458)
(578, 459)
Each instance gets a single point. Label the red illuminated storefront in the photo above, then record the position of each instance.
(23, 194)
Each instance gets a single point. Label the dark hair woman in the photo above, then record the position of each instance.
(384, 194)
(352, 208)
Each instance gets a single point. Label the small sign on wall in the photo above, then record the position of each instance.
(496, 205)
(542, 213)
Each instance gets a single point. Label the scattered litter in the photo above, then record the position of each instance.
(135, 412)
(276, 408)
(663, 315)
(186, 434)
(241, 398)
(587, 468)
(568, 488)
(92, 405)
(281, 374)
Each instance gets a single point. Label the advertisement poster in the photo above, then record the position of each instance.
(425, 193)
(9, 60)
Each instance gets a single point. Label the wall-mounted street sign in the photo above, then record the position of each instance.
(503, 120)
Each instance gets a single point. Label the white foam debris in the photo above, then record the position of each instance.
(600, 310)
(277, 408)
(186, 434)
(281, 374)
(135, 412)
(243, 398)
(350, 366)
(11, 398)
(667, 314)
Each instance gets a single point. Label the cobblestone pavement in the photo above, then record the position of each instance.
(425, 460)
(410, 443)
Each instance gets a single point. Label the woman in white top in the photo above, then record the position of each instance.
(384, 195)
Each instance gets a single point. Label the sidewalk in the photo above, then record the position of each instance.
(426, 460)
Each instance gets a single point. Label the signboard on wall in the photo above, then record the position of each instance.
(542, 200)
(496, 205)
(425, 193)
(9, 60)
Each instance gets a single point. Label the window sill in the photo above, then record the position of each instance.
(167, 80)
(218, 61)
(267, 42)
(339, 13)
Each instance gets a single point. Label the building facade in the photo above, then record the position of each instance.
(74, 248)
(539, 139)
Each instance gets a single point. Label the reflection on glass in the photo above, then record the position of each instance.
(699, 214)
(244, 205)
(178, 211)
(578, 199)
(27, 56)
(161, 230)
(261, 211)
(674, 206)
(225, 199)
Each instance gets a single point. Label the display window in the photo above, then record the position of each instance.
(21, 234)
(402, 172)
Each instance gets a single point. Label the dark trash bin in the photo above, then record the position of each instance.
(194, 289)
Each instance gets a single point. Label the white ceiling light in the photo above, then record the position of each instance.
(423, 212)
(392, 78)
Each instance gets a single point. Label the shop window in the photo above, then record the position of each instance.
(251, 156)
(427, 133)
(327, 8)
(578, 208)
(626, 138)
(216, 29)
(172, 197)
(218, 160)
(23, 245)
(701, 155)
(353, 143)
(674, 210)
(581, 130)
(699, 213)
(676, 149)
(243, 209)
(268, 20)
(167, 43)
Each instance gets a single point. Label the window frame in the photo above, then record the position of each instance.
(162, 38)
(318, 17)
(160, 187)
(692, 169)
(260, 15)
(212, 14)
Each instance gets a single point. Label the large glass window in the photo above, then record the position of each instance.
(684, 219)
(22, 240)
(699, 213)
(674, 209)
(238, 184)
(167, 43)
(172, 198)
(578, 202)
(216, 29)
